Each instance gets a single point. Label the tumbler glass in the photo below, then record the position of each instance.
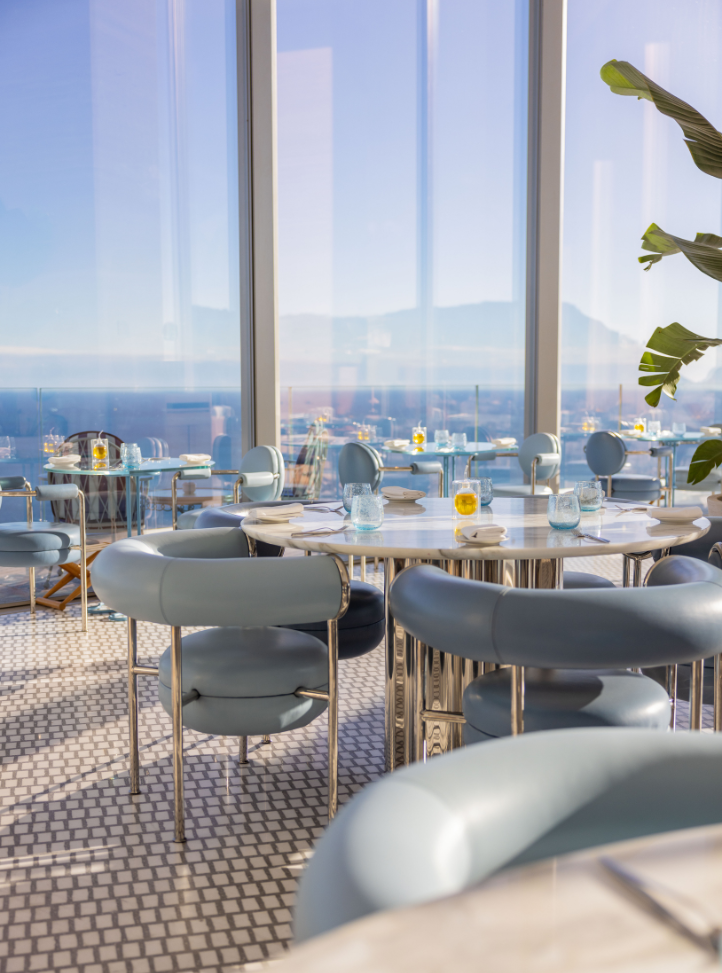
(654, 427)
(590, 494)
(352, 490)
(486, 491)
(458, 439)
(563, 512)
(442, 437)
(679, 428)
(367, 512)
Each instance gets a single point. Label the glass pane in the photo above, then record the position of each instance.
(626, 167)
(118, 221)
(402, 178)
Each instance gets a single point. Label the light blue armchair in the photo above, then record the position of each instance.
(39, 544)
(247, 676)
(435, 829)
(595, 635)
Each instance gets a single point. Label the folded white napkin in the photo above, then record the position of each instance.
(195, 458)
(401, 493)
(396, 443)
(675, 515)
(504, 441)
(276, 515)
(483, 534)
(710, 430)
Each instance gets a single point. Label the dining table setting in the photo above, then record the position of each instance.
(507, 540)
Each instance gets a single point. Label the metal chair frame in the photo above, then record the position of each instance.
(179, 700)
(29, 493)
(174, 490)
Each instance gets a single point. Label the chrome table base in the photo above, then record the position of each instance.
(425, 687)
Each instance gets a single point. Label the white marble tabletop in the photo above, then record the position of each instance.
(426, 530)
(562, 915)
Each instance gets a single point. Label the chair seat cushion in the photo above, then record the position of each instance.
(362, 627)
(40, 536)
(520, 490)
(559, 698)
(635, 483)
(580, 579)
(246, 679)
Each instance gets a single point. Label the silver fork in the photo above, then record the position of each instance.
(327, 510)
(590, 537)
(321, 531)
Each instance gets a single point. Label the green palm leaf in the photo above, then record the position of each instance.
(675, 347)
(702, 138)
(703, 251)
(706, 457)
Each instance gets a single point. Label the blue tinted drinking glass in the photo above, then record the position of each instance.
(352, 490)
(590, 494)
(564, 513)
(367, 512)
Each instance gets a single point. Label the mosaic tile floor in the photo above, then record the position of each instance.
(89, 878)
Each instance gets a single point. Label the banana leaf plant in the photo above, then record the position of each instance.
(674, 346)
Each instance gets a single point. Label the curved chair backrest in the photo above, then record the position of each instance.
(264, 459)
(541, 443)
(106, 502)
(204, 577)
(575, 629)
(605, 453)
(13, 483)
(438, 828)
(360, 463)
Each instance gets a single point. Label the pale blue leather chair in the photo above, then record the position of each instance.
(361, 463)
(435, 829)
(250, 675)
(40, 544)
(594, 635)
(540, 457)
(606, 455)
(261, 478)
(362, 627)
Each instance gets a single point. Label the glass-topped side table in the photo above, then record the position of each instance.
(147, 468)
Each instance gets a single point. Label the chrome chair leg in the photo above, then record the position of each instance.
(177, 710)
(242, 750)
(133, 706)
(350, 566)
(362, 573)
(517, 700)
(83, 564)
(695, 695)
(332, 718)
(672, 693)
(31, 583)
(266, 739)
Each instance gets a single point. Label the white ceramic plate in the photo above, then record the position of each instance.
(675, 515)
(419, 496)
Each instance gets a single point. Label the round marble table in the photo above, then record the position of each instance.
(562, 914)
(530, 556)
(425, 531)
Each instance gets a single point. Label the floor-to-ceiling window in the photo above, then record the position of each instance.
(626, 167)
(119, 303)
(402, 203)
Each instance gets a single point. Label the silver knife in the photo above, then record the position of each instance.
(591, 537)
(635, 888)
